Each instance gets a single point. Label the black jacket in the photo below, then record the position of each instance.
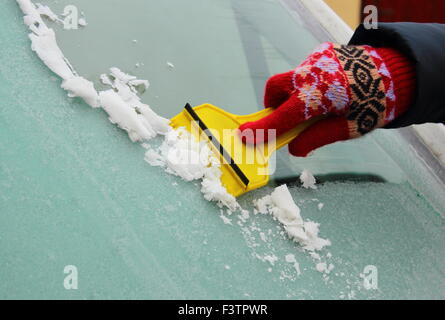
(424, 43)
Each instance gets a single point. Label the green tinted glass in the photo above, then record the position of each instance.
(75, 191)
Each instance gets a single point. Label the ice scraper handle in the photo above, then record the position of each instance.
(355, 88)
(284, 138)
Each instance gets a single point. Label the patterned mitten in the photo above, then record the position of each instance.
(357, 88)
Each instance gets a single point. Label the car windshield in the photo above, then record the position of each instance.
(75, 190)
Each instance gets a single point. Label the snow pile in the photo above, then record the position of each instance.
(308, 180)
(43, 42)
(122, 103)
(182, 155)
(124, 106)
(281, 205)
(178, 153)
(81, 87)
(46, 11)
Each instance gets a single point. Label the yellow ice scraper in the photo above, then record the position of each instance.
(244, 167)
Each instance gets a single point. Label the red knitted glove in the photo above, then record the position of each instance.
(358, 88)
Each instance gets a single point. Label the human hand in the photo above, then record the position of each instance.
(356, 88)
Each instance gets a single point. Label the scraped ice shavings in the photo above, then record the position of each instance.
(81, 87)
(281, 205)
(46, 11)
(290, 258)
(308, 180)
(182, 155)
(43, 42)
(127, 119)
(123, 106)
(270, 258)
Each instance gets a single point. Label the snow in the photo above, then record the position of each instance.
(125, 109)
(154, 158)
(124, 83)
(80, 87)
(225, 219)
(44, 44)
(297, 268)
(321, 266)
(45, 11)
(271, 259)
(308, 180)
(126, 118)
(290, 258)
(189, 159)
(180, 153)
(281, 205)
(263, 237)
(245, 214)
(126, 102)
